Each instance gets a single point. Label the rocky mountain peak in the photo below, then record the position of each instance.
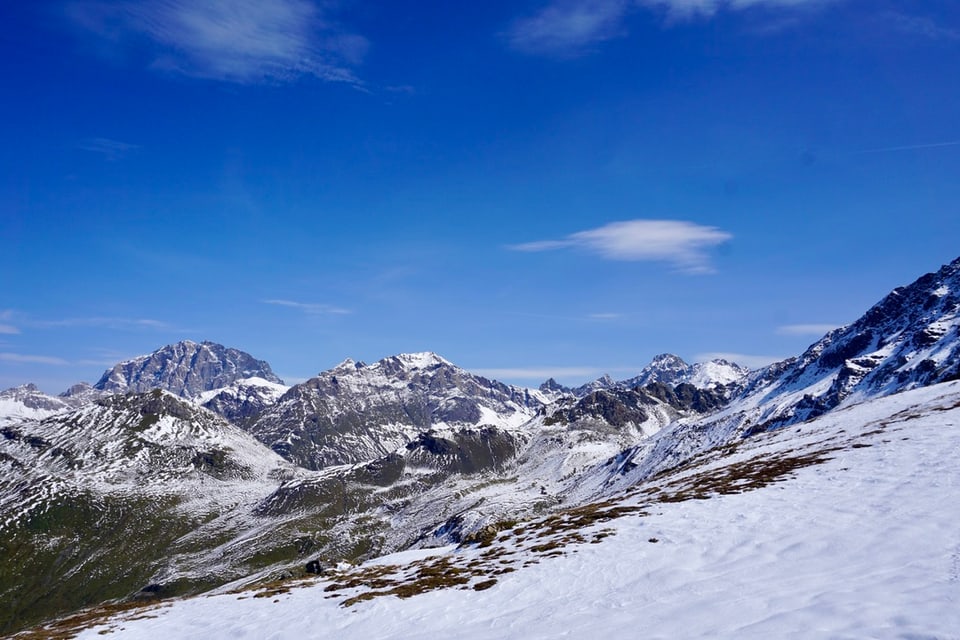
(186, 369)
(552, 386)
(667, 360)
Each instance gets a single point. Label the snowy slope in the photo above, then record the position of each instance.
(840, 528)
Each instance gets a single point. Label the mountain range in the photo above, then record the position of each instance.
(195, 466)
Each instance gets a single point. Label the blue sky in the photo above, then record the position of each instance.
(551, 187)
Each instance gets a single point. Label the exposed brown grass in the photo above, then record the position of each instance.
(72, 626)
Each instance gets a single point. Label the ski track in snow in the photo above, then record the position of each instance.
(864, 545)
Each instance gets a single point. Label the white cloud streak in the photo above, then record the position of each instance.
(309, 307)
(568, 28)
(103, 323)
(687, 9)
(6, 316)
(540, 373)
(242, 41)
(110, 149)
(922, 26)
(680, 243)
(31, 359)
(747, 360)
(913, 147)
(816, 330)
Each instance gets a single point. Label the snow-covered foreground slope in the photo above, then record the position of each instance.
(843, 527)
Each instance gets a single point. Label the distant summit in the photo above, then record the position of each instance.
(186, 369)
(665, 369)
(671, 370)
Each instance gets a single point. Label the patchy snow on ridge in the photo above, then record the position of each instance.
(707, 375)
(842, 527)
(421, 360)
(266, 388)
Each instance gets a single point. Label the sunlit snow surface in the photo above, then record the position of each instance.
(863, 545)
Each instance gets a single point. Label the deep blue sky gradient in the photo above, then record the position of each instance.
(142, 204)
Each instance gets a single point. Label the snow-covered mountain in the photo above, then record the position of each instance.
(668, 369)
(671, 370)
(413, 452)
(186, 369)
(357, 412)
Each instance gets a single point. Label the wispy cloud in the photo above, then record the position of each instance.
(110, 149)
(568, 28)
(605, 316)
(541, 373)
(806, 329)
(680, 243)
(750, 361)
(31, 359)
(921, 26)
(912, 147)
(687, 9)
(7, 329)
(243, 41)
(103, 322)
(310, 307)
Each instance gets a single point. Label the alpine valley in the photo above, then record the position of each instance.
(196, 469)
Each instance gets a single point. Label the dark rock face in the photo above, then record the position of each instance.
(615, 407)
(185, 369)
(686, 397)
(464, 451)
